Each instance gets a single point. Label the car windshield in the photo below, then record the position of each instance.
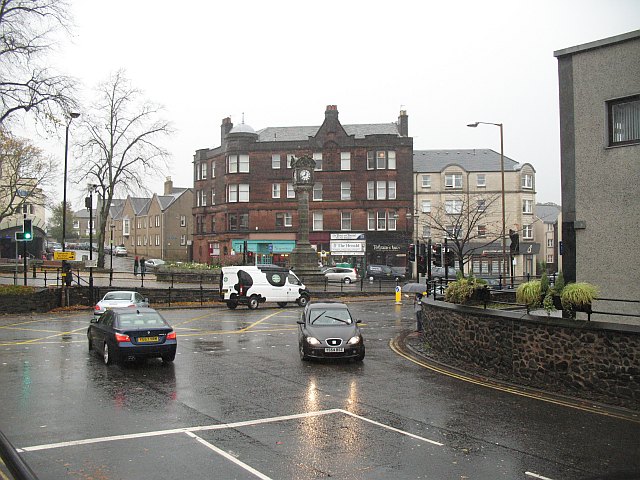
(140, 319)
(117, 296)
(332, 316)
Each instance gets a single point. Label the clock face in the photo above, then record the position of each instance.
(305, 175)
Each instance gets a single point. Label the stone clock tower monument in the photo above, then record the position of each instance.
(303, 258)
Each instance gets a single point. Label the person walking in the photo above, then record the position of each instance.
(143, 266)
(417, 307)
(136, 264)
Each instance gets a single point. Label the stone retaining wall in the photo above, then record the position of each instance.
(594, 360)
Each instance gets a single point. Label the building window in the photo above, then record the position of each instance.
(290, 158)
(482, 180)
(76, 224)
(213, 223)
(550, 227)
(426, 231)
(454, 231)
(317, 191)
(550, 242)
(453, 207)
(482, 205)
(482, 231)
(527, 206)
(391, 160)
(157, 240)
(392, 189)
(317, 222)
(371, 191)
(318, 158)
(203, 166)
(381, 160)
(213, 169)
(183, 239)
(126, 227)
(453, 180)
(371, 161)
(238, 163)
(426, 181)
(275, 190)
(275, 161)
(381, 190)
(291, 193)
(382, 220)
(203, 199)
(371, 220)
(157, 220)
(391, 222)
(624, 121)
(549, 258)
(238, 221)
(527, 232)
(345, 160)
(213, 196)
(238, 193)
(283, 219)
(345, 190)
(527, 181)
(345, 221)
(183, 220)
(426, 206)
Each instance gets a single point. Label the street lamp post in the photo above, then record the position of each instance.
(504, 268)
(64, 186)
(111, 227)
(88, 203)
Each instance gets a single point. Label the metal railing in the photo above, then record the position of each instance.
(14, 462)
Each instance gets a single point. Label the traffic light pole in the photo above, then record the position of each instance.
(24, 262)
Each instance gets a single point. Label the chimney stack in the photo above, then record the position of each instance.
(403, 124)
(331, 111)
(168, 186)
(225, 128)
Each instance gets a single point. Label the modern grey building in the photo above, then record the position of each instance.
(599, 85)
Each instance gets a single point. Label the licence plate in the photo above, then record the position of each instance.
(333, 349)
(147, 339)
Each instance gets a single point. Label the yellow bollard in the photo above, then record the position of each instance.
(398, 295)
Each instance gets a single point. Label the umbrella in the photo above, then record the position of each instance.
(414, 288)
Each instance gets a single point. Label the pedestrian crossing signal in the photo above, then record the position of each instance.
(27, 229)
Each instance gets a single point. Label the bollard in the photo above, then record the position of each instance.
(398, 295)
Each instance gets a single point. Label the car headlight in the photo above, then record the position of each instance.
(354, 340)
(313, 341)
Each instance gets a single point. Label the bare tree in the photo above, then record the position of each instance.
(26, 28)
(24, 172)
(470, 222)
(120, 150)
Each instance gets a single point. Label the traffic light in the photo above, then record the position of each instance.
(450, 258)
(27, 229)
(411, 252)
(250, 258)
(423, 249)
(437, 255)
(422, 263)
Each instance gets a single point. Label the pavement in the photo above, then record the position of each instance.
(412, 346)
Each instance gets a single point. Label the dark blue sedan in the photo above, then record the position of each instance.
(122, 334)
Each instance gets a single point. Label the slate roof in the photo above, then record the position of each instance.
(286, 134)
(473, 160)
(140, 205)
(548, 212)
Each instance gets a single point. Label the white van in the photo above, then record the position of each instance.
(253, 285)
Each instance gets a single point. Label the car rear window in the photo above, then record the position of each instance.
(117, 296)
(145, 319)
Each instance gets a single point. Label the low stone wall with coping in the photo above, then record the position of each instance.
(595, 360)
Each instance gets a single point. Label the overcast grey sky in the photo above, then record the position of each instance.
(448, 63)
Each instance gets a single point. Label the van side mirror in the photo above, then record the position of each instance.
(300, 322)
(94, 320)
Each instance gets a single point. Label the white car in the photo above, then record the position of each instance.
(120, 252)
(341, 274)
(153, 263)
(120, 299)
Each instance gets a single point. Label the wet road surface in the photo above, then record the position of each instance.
(239, 403)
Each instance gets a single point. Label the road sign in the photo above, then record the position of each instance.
(90, 263)
(64, 255)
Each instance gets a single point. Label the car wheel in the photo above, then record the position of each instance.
(347, 280)
(303, 300)
(232, 305)
(107, 355)
(169, 357)
(282, 304)
(253, 302)
(90, 343)
(303, 356)
(360, 357)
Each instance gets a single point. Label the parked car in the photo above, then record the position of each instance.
(120, 251)
(379, 272)
(153, 263)
(120, 299)
(341, 274)
(124, 334)
(439, 272)
(399, 273)
(327, 330)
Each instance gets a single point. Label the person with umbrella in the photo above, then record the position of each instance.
(417, 307)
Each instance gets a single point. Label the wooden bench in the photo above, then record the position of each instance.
(50, 265)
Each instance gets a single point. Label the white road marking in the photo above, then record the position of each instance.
(535, 475)
(231, 458)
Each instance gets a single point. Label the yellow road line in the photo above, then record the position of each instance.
(515, 391)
